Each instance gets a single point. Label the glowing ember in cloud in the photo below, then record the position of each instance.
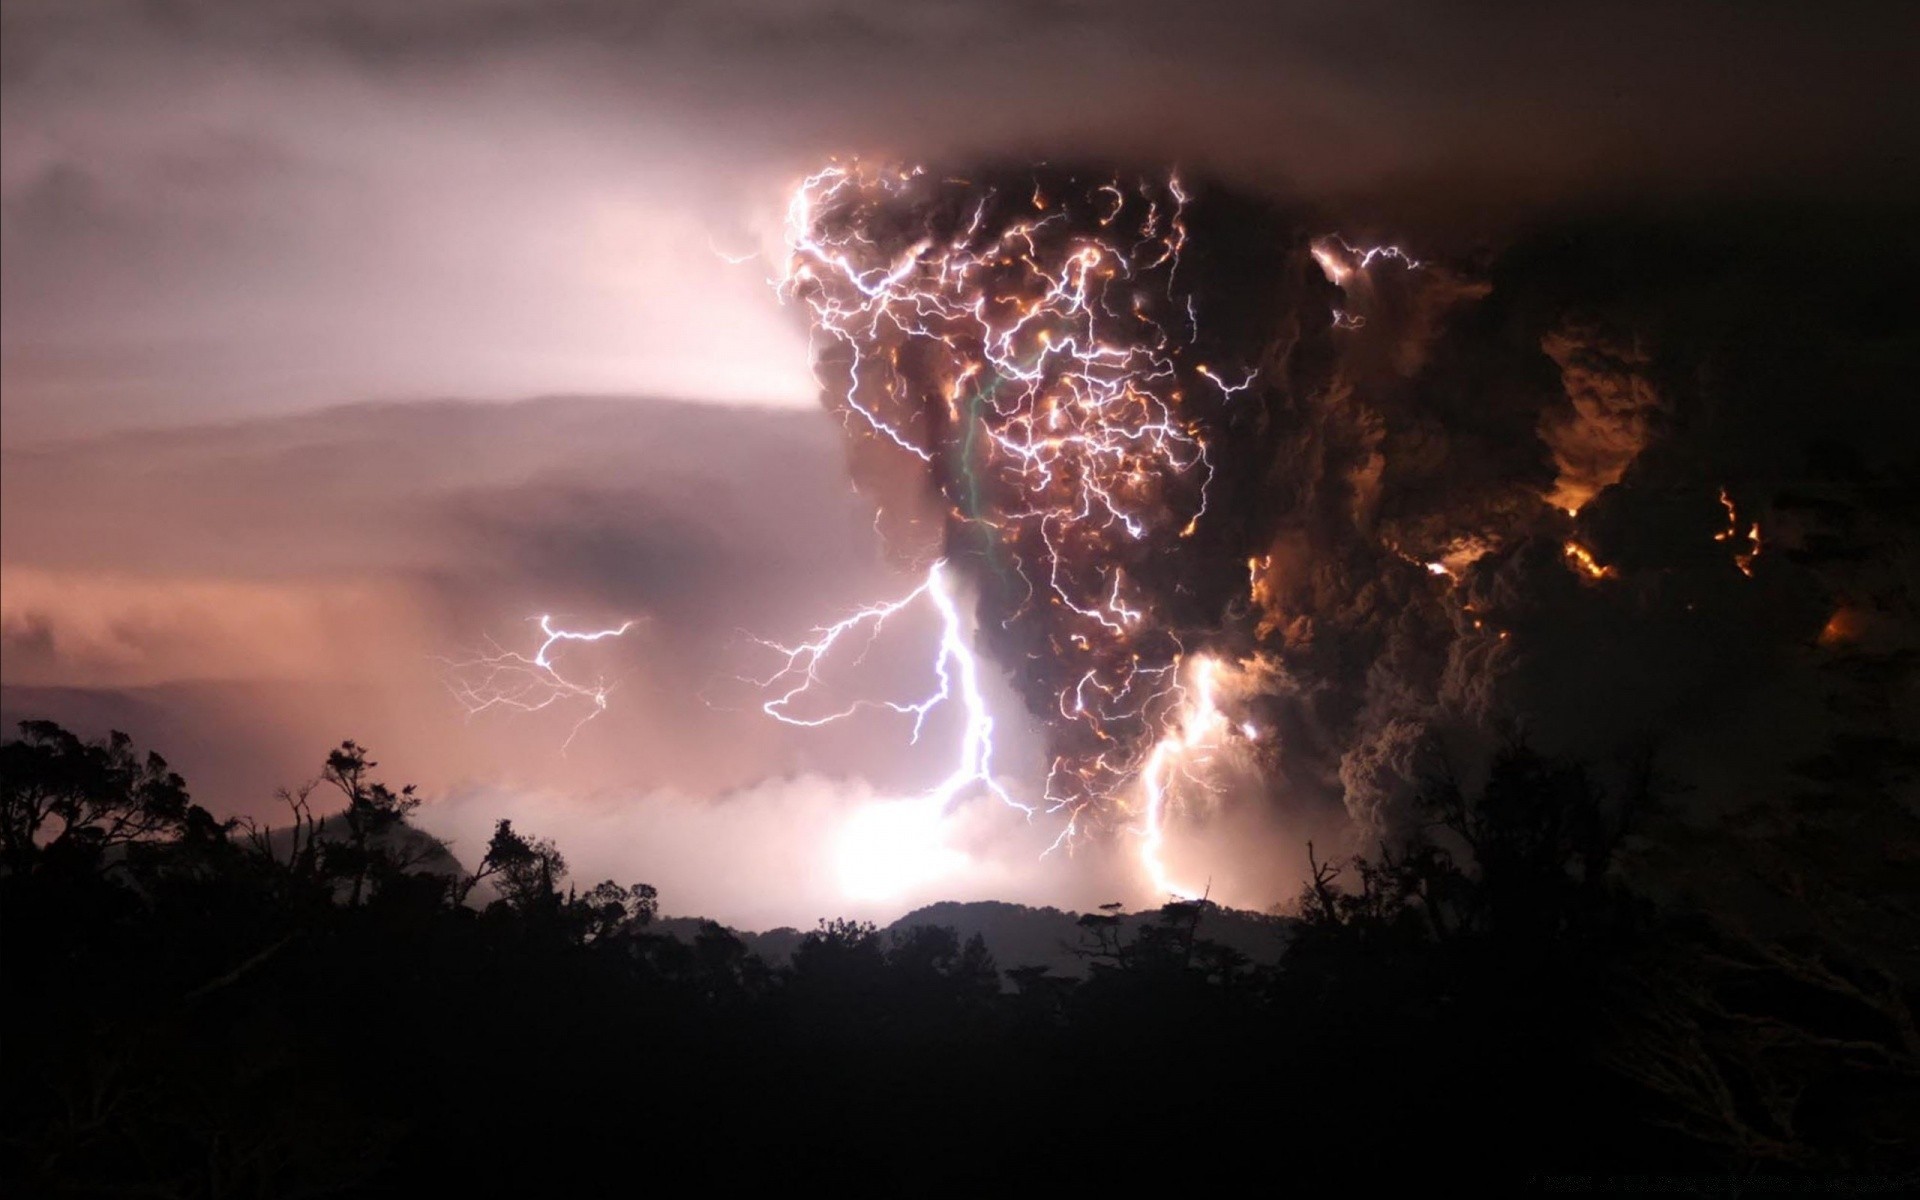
(1455, 557)
(1583, 559)
(1743, 559)
(1841, 628)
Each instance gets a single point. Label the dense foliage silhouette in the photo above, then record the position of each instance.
(335, 1006)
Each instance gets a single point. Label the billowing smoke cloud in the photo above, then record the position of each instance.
(1069, 361)
(1417, 510)
(1162, 425)
(1563, 502)
(1614, 406)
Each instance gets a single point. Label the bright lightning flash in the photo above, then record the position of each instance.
(1036, 357)
(531, 682)
(1033, 348)
(1340, 262)
(954, 666)
(1199, 728)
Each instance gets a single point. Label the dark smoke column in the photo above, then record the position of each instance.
(1090, 389)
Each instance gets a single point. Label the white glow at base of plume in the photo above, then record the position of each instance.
(1198, 731)
(888, 849)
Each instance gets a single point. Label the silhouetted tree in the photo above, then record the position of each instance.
(607, 908)
(374, 812)
(840, 961)
(529, 871)
(1100, 937)
(930, 965)
(79, 802)
(1042, 996)
(724, 970)
(1491, 977)
(1541, 838)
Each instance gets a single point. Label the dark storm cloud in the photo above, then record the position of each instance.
(1684, 357)
(1702, 89)
(230, 206)
(1539, 498)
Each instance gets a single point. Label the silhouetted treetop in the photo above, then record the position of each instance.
(75, 802)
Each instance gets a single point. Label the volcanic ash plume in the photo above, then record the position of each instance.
(1233, 491)
(1085, 387)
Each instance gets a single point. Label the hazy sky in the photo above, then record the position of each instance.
(225, 219)
(222, 207)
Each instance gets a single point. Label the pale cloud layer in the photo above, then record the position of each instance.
(349, 552)
(243, 597)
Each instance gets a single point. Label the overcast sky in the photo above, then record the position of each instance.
(222, 207)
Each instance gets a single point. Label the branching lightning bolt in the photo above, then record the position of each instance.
(1033, 349)
(533, 682)
(954, 667)
(1200, 725)
(1340, 261)
(1025, 349)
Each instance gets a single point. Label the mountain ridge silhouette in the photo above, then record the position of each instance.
(1021, 935)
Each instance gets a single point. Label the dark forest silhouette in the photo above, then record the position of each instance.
(336, 1006)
